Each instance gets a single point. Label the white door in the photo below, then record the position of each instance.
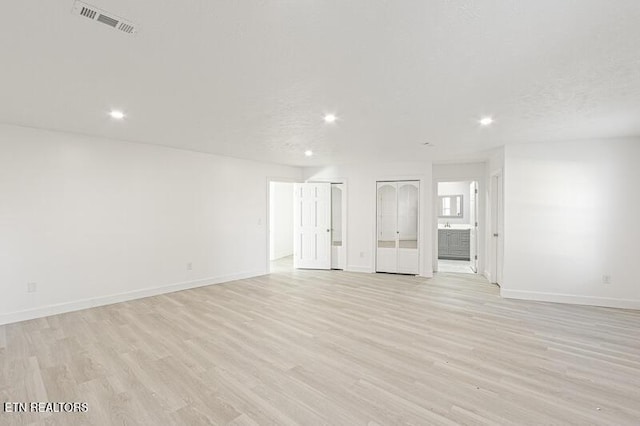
(312, 226)
(473, 233)
(408, 215)
(387, 227)
(338, 252)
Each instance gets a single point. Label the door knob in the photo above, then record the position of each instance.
(328, 230)
(495, 235)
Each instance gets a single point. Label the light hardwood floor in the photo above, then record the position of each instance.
(327, 347)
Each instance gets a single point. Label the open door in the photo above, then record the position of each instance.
(312, 226)
(338, 253)
(473, 220)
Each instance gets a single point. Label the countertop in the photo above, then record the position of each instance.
(455, 226)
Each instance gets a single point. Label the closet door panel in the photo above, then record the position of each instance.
(408, 201)
(407, 261)
(408, 196)
(397, 227)
(387, 213)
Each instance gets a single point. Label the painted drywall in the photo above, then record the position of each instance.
(456, 188)
(571, 217)
(93, 221)
(360, 181)
(281, 220)
(464, 172)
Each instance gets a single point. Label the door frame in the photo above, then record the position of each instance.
(268, 215)
(475, 208)
(496, 218)
(482, 255)
(423, 269)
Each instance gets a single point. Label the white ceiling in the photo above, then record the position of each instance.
(254, 78)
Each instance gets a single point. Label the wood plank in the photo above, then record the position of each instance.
(329, 347)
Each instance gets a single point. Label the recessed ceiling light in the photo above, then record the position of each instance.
(486, 121)
(330, 118)
(118, 115)
(308, 153)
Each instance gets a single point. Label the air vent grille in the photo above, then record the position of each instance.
(107, 20)
(98, 15)
(88, 12)
(126, 28)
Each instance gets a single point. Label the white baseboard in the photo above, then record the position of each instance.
(573, 299)
(362, 269)
(280, 255)
(78, 305)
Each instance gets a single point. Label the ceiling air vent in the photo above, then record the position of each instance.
(88, 12)
(99, 15)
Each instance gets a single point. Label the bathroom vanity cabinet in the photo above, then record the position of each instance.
(454, 244)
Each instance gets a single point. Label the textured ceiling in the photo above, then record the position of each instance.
(253, 79)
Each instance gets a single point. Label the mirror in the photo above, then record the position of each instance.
(450, 206)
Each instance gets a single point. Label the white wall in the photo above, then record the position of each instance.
(94, 221)
(456, 188)
(571, 216)
(361, 207)
(281, 219)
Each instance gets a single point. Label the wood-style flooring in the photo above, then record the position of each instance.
(329, 347)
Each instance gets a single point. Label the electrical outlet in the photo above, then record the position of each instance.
(361, 254)
(189, 266)
(32, 287)
(606, 279)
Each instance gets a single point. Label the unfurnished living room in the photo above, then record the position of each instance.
(319, 212)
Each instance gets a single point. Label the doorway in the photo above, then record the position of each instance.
(280, 226)
(457, 211)
(307, 225)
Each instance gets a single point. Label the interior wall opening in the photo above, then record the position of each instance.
(280, 226)
(307, 226)
(319, 225)
(457, 209)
